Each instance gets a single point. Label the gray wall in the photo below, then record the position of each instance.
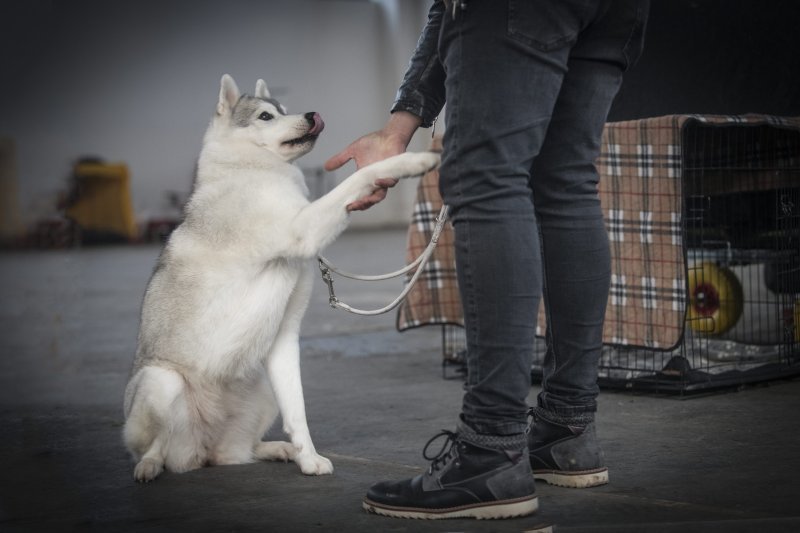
(137, 81)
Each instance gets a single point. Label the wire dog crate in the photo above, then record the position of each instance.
(740, 183)
(703, 214)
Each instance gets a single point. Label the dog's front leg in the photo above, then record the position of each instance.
(283, 367)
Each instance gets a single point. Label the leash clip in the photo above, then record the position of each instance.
(419, 264)
(328, 279)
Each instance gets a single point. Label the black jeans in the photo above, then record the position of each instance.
(529, 84)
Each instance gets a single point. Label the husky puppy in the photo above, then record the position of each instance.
(218, 348)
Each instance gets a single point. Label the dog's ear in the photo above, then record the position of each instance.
(228, 95)
(263, 92)
(261, 89)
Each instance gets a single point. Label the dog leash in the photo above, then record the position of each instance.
(327, 268)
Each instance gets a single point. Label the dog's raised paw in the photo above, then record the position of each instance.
(314, 465)
(433, 160)
(422, 162)
(147, 470)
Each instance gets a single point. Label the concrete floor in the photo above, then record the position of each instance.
(725, 462)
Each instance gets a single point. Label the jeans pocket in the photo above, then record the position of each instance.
(547, 24)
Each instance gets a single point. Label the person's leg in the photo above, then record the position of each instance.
(576, 270)
(575, 245)
(575, 248)
(502, 84)
(501, 89)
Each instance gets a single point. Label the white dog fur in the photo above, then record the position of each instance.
(218, 348)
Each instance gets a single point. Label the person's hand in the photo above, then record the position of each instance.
(369, 149)
(376, 146)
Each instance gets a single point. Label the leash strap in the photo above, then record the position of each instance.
(419, 263)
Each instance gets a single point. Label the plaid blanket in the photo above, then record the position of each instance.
(642, 164)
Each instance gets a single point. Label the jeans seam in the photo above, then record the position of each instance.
(473, 373)
(549, 335)
(455, 51)
(634, 28)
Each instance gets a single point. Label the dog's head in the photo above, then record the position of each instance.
(262, 121)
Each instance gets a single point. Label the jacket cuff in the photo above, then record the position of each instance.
(415, 108)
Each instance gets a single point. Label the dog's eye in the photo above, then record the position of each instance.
(265, 116)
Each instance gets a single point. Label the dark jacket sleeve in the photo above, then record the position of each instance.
(422, 91)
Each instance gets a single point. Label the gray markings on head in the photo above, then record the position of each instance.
(277, 105)
(246, 108)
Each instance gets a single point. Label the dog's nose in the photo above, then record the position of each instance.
(315, 123)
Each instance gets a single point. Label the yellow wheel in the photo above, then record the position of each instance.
(715, 299)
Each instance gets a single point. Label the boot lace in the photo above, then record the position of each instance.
(531, 419)
(446, 452)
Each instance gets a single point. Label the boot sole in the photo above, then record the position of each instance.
(573, 480)
(484, 511)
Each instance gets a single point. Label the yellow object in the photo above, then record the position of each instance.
(715, 299)
(104, 202)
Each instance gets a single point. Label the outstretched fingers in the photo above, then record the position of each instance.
(339, 159)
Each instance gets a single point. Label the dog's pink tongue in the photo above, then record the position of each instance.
(318, 126)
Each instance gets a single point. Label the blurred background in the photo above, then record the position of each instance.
(133, 84)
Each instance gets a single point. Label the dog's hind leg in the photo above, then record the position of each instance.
(150, 400)
(270, 450)
(250, 410)
(274, 451)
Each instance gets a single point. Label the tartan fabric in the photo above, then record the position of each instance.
(640, 194)
(435, 298)
(641, 164)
